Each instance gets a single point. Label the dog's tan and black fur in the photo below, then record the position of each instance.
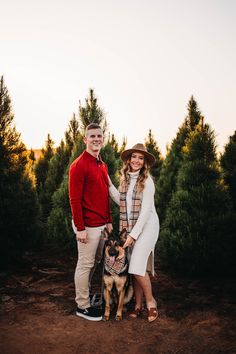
(116, 278)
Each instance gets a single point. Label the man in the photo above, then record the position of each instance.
(89, 200)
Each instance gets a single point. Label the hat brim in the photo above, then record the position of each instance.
(149, 157)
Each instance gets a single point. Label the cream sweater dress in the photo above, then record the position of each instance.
(146, 229)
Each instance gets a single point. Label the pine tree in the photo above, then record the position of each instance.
(91, 113)
(228, 164)
(41, 171)
(166, 184)
(114, 145)
(30, 166)
(123, 145)
(41, 167)
(56, 170)
(58, 163)
(197, 235)
(110, 155)
(72, 133)
(18, 203)
(32, 156)
(152, 147)
(59, 227)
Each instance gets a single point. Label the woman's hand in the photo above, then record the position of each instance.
(129, 241)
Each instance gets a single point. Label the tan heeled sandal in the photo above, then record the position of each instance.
(152, 312)
(135, 313)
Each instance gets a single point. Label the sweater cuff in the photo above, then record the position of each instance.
(134, 237)
(75, 228)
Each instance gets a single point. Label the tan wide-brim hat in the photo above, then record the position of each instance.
(139, 148)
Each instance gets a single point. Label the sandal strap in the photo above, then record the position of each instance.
(135, 313)
(152, 312)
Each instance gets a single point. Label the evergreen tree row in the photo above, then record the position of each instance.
(195, 190)
(19, 208)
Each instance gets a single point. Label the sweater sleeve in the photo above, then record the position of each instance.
(114, 194)
(76, 183)
(146, 208)
(109, 204)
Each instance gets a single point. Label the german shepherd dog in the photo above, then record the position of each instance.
(116, 279)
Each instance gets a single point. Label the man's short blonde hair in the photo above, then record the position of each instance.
(92, 126)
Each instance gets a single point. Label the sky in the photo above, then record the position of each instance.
(143, 58)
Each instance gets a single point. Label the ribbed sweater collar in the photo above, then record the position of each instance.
(90, 157)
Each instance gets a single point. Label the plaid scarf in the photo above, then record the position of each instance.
(115, 266)
(135, 208)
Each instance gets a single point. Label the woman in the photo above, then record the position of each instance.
(139, 217)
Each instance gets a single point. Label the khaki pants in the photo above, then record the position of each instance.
(87, 255)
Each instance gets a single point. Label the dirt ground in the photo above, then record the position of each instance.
(37, 315)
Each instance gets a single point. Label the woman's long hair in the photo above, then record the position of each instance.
(143, 174)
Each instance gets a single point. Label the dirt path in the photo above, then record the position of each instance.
(37, 316)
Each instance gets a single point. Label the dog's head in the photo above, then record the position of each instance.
(114, 245)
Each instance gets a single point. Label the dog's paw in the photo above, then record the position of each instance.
(118, 317)
(106, 318)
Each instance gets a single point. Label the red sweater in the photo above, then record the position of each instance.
(88, 192)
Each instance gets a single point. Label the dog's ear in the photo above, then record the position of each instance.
(123, 235)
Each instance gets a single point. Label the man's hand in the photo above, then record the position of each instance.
(81, 236)
(109, 227)
(129, 242)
